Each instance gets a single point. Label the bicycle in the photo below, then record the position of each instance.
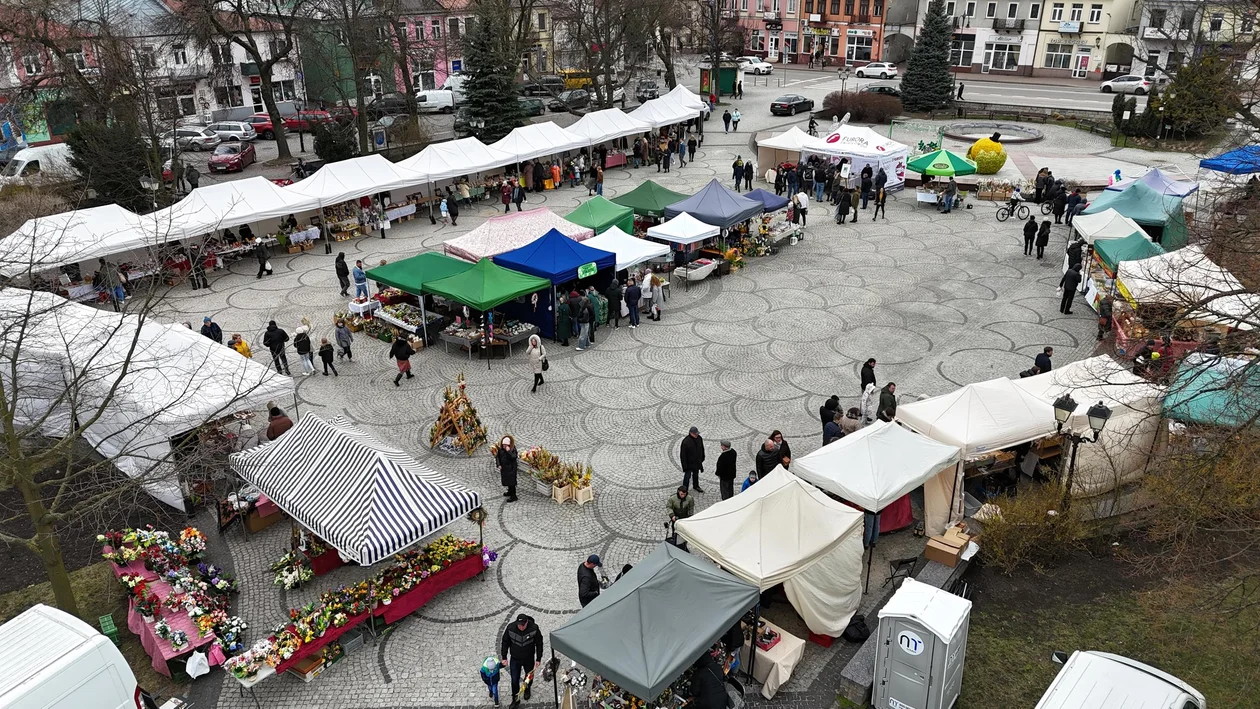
(1006, 211)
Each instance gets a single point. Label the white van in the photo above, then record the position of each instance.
(435, 101)
(42, 162)
(1100, 680)
(455, 84)
(53, 660)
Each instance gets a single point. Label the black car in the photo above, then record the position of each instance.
(646, 90)
(532, 106)
(544, 86)
(386, 105)
(570, 100)
(790, 105)
(882, 89)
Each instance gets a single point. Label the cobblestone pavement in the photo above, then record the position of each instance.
(940, 300)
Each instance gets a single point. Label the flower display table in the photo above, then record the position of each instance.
(134, 568)
(318, 644)
(411, 601)
(326, 562)
(365, 307)
(160, 650)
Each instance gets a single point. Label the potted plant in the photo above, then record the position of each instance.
(582, 490)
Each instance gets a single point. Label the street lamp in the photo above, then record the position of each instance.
(1098, 415)
(843, 74)
(151, 185)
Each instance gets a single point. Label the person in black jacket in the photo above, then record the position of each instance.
(302, 344)
(274, 340)
(708, 688)
(827, 412)
(614, 303)
(748, 175)
(868, 373)
(767, 458)
(263, 255)
(522, 647)
(343, 273)
(868, 185)
(1076, 253)
(452, 205)
(506, 460)
(633, 295)
(1069, 283)
(887, 410)
(588, 582)
(1030, 234)
(1043, 360)
(691, 455)
(783, 449)
(575, 307)
(1043, 238)
(726, 471)
(1059, 204)
(211, 329)
(401, 351)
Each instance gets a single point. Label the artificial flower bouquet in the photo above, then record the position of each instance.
(179, 640)
(147, 603)
(162, 630)
(230, 634)
(192, 542)
(291, 570)
(217, 579)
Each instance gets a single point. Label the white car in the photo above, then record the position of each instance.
(233, 130)
(755, 65)
(883, 70)
(1130, 84)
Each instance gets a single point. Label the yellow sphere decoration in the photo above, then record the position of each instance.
(988, 154)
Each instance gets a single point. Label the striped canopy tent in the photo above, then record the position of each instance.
(368, 500)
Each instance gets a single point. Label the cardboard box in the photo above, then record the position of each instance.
(254, 523)
(956, 536)
(942, 551)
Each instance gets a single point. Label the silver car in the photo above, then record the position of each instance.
(1129, 84)
(233, 130)
(193, 139)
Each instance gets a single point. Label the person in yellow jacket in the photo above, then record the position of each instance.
(238, 343)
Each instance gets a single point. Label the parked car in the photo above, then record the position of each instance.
(8, 153)
(570, 100)
(1129, 84)
(617, 93)
(756, 66)
(1100, 680)
(435, 101)
(531, 105)
(307, 120)
(543, 86)
(884, 89)
(646, 90)
(385, 105)
(790, 105)
(191, 139)
(233, 157)
(233, 130)
(884, 70)
(39, 164)
(261, 123)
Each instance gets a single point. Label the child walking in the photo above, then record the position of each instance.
(326, 356)
(490, 668)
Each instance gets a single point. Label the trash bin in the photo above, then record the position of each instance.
(923, 642)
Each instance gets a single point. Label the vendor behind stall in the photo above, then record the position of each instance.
(708, 687)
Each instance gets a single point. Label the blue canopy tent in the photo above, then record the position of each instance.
(717, 205)
(561, 260)
(1242, 161)
(771, 201)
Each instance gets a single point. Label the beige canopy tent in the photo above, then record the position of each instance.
(783, 147)
(784, 530)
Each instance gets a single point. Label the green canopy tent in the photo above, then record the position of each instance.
(1213, 391)
(646, 629)
(486, 285)
(1161, 215)
(1133, 247)
(649, 200)
(941, 163)
(410, 274)
(599, 214)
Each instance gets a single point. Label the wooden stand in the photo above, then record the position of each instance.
(583, 495)
(561, 494)
(458, 419)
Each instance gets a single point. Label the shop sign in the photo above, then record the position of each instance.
(774, 25)
(861, 33)
(1007, 38)
(587, 270)
(1070, 27)
(822, 31)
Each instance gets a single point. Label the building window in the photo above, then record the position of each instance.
(74, 58)
(284, 90)
(221, 54)
(1175, 60)
(419, 28)
(743, 5)
(470, 24)
(400, 30)
(789, 43)
(226, 96)
(835, 7)
(382, 34)
(435, 29)
(1095, 14)
(1056, 12)
(1214, 24)
(1012, 11)
(32, 64)
(971, 9)
(961, 50)
(1158, 18)
(990, 10)
(1152, 63)
(1188, 21)
(949, 8)
(1004, 57)
(147, 57)
(848, 7)
(809, 7)
(1058, 56)
(1246, 24)
(1077, 10)
(877, 9)
(864, 8)
(453, 28)
(858, 49)
(791, 7)
(180, 54)
(1034, 11)
(756, 42)
(542, 22)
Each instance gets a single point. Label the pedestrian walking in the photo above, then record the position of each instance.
(657, 293)
(211, 329)
(192, 176)
(343, 273)
(767, 458)
(802, 206)
(274, 340)
(667, 157)
(737, 171)
(263, 255)
(1068, 284)
(854, 200)
(868, 373)
(1030, 234)
(592, 297)
(680, 505)
(735, 117)
(452, 206)
(691, 456)
(302, 345)
(1059, 206)
(614, 295)
(682, 152)
(518, 195)
(360, 280)
(739, 92)
(344, 338)
(842, 206)
(506, 460)
(197, 268)
(887, 410)
(725, 470)
(1043, 238)
(726, 121)
(588, 582)
(748, 175)
(599, 180)
(585, 316)
(522, 646)
(505, 196)
(401, 351)
(537, 355)
(633, 296)
(960, 90)
(326, 356)
(691, 148)
(881, 201)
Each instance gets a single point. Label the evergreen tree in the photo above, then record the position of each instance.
(927, 84)
(112, 159)
(492, 65)
(1203, 95)
(1117, 110)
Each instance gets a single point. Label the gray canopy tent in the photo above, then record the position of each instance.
(646, 629)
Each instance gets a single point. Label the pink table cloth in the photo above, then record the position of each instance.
(265, 506)
(134, 568)
(160, 650)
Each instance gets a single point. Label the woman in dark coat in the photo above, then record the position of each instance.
(506, 460)
(343, 273)
(785, 451)
(1060, 205)
(539, 177)
(748, 175)
(1043, 237)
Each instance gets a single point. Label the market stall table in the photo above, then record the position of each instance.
(160, 650)
(399, 212)
(615, 160)
(324, 563)
(774, 666)
(309, 234)
(248, 683)
(318, 644)
(132, 568)
(411, 601)
(364, 308)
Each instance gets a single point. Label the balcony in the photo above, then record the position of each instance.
(1002, 23)
(959, 23)
(860, 19)
(1162, 33)
(770, 15)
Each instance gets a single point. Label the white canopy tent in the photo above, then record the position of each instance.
(874, 466)
(453, 158)
(608, 124)
(683, 96)
(783, 530)
(535, 140)
(1122, 452)
(630, 250)
(227, 204)
(354, 178)
(67, 357)
(980, 418)
(1188, 279)
(505, 232)
(785, 146)
(683, 229)
(862, 146)
(1107, 224)
(661, 112)
(71, 237)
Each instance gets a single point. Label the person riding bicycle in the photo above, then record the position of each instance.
(813, 126)
(1015, 200)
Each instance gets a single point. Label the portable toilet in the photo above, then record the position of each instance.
(923, 642)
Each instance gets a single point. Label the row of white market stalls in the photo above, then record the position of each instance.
(858, 145)
(340, 201)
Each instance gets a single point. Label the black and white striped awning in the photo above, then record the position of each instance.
(366, 499)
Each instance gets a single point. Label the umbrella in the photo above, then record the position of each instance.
(943, 163)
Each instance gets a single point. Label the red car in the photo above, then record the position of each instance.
(262, 126)
(232, 157)
(306, 120)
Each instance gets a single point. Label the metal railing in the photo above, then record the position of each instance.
(1004, 23)
(959, 22)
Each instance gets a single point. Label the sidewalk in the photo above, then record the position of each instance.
(780, 68)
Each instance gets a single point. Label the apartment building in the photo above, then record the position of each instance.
(1085, 39)
(993, 36)
(773, 27)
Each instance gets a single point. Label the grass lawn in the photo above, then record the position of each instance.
(98, 594)
(1174, 629)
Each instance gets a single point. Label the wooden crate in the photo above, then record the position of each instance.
(583, 495)
(562, 494)
(295, 249)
